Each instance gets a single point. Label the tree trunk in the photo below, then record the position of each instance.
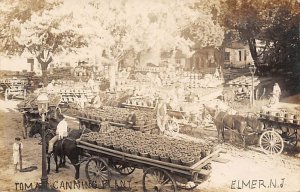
(45, 77)
(44, 58)
(252, 47)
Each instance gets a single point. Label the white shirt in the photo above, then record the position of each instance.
(50, 87)
(276, 90)
(16, 152)
(62, 129)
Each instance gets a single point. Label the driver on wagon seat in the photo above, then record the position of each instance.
(61, 132)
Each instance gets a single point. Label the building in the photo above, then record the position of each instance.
(237, 55)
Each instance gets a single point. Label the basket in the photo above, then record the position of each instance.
(154, 156)
(175, 160)
(187, 162)
(144, 154)
(165, 159)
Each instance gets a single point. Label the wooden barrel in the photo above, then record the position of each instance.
(271, 115)
(263, 113)
(289, 118)
(296, 119)
(280, 116)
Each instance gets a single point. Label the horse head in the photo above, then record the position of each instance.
(210, 110)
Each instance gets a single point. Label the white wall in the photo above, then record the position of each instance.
(151, 56)
(14, 64)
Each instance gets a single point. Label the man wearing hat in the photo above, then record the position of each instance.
(61, 132)
(17, 147)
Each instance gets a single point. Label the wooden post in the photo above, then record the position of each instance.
(20, 156)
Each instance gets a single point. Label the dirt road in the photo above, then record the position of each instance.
(246, 170)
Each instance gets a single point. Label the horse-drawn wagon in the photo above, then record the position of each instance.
(280, 130)
(276, 129)
(167, 164)
(28, 107)
(94, 118)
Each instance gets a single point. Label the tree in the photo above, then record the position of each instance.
(275, 23)
(58, 27)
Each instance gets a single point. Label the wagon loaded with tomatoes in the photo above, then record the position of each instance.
(280, 130)
(94, 118)
(168, 164)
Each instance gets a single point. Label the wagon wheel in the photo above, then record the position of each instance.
(96, 171)
(123, 169)
(155, 179)
(271, 142)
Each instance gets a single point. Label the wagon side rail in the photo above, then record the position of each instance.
(134, 159)
(147, 127)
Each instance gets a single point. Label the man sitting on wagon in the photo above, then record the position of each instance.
(131, 120)
(96, 102)
(61, 132)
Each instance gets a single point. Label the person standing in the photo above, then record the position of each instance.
(96, 102)
(276, 92)
(91, 82)
(161, 114)
(61, 132)
(17, 155)
(217, 73)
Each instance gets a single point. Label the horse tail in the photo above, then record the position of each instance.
(223, 127)
(223, 131)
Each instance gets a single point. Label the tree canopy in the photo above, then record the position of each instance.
(274, 23)
(87, 28)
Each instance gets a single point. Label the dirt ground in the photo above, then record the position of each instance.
(246, 170)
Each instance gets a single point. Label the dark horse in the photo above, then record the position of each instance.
(224, 120)
(68, 147)
(242, 124)
(62, 148)
(50, 129)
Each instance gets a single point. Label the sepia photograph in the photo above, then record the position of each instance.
(150, 95)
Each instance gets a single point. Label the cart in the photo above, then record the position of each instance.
(95, 124)
(105, 165)
(28, 108)
(280, 131)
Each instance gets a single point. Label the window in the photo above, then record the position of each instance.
(245, 55)
(227, 56)
(240, 55)
(178, 61)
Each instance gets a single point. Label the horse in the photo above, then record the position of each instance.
(50, 124)
(68, 147)
(224, 120)
(254, 123)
